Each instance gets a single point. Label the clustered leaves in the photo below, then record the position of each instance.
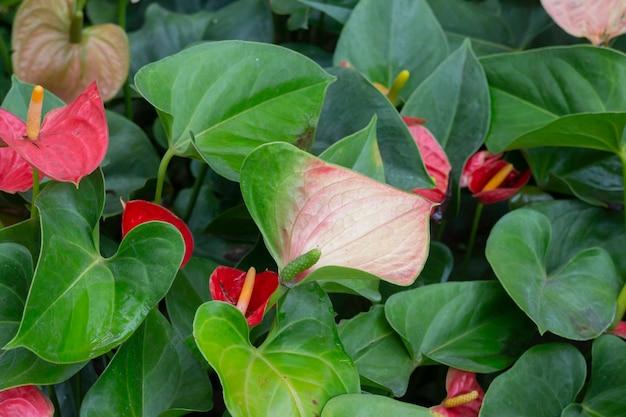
(301, 208)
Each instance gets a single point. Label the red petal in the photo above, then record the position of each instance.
(26, 401)
(138, 211)
(72, 142)
(16, 175)
(620, 330)
(475, 162)
(460, 382)
(511, 185)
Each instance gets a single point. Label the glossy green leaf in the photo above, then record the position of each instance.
(298, 367)
(529, 90)
(21, 366)
(25, 233)
(153, 374)
(249, 20)
(367, 405)
(541, 383)
(377, 350)
(358, 223)
(574, 298)
(383, 38)
(18, 98)
(129, 163)
(455, 103)
(339, 13)
(350, 104)
(472, 326)
(230, 97)
(74, 310)
(165, 33)
(604, 396)
(358, 152)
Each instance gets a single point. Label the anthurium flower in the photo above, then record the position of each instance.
(435, 160)
(597, 20)
(491, 179)
(249, 291)
(464, 398)
(620, 330)
(71, 142)
(51, 48)
(26, 401)
(16, 175)
(137, 212)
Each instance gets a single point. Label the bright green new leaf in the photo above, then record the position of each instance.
(574, 298)
(221, 100)
(294, 372)
(358, 223)
(80, 304)
(153, 374)
(472, 326)
(368, 405)
(541, 383)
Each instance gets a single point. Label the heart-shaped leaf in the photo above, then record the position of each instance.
(151, 374)
(45, 51)
(377, 350)
(233, 96)
(543, 381)
(367, 405)
(293, 373)
(356, 222)
(74, 310)
(472, 326)
(574, 298)
(21, 366)
(605, 395)
(526, 97)
(381, 39)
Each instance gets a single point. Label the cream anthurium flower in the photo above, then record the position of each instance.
(597, 20)
(51, 48)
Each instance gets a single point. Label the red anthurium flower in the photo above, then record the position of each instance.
(26, 401)
(491, 179)
(620, 330)
(138, 211)
(464, 398)
(16, 175)
(249, 291)
(435, 160)
(71, 142)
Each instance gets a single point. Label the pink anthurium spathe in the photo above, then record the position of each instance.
(26, 401)
(597, 20)
(16, 175)
(355, 222)
(248, 291)
(620, 330)
(491, 179)
(70, 144)
(465, 395)
(436, 162)
(51, 48)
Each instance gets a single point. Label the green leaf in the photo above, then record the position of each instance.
(269, 379)
(153, 374)
(359, 224)
(377, 350)
(455, 103)
(605, 394)
(531, 89)
(18, 98)
(358, 152)
(367, 405)
(472, 326)
(574, 298)
(233, 96)
(20, 366)
(383, 38)
(350, 104)
(129, 163)
(81, 305)
(249, 20)
(541, 383)
(339, 13)
(25, 233)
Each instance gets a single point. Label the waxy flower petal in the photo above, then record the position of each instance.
(26, 401)
(483, 168)
(16, 175)
(597, 20)
(620, 330)
(226, 284)
(72, 141)
(43, 53)
(137, 212)
(465, 395)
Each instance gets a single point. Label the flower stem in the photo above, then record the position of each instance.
(470, 245)
(195, 191)
(33, 208)
(165, 161)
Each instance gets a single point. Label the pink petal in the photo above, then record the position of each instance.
(620, 330)
(16, 175)
(357, 223)
(72, 142)
(26, 401)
